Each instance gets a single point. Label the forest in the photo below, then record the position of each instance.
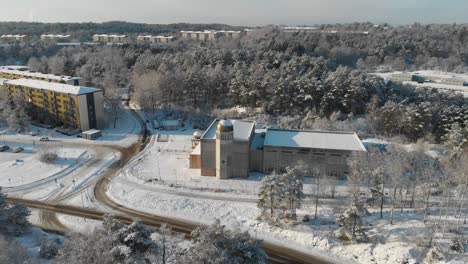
(304, 76)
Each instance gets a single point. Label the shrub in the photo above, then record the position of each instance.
(48, 157)
(49, 248)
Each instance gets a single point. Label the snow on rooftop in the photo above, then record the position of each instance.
(55, 36)
(51, 86)
(16, 70)
(12, 36)
(242, 130)
(313, 139)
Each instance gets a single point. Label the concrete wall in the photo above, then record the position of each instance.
(240, 159)
(83, 111)
(330, 162)
(195, 161)
(99, 106)
(256, 160)
(208, 157)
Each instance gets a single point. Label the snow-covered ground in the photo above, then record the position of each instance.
(125, 133)
(78, 224)
(395, 243)
(25, 167)
(160, 182)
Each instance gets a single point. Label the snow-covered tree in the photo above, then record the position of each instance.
(12, 252)
(351, 222)
(457, 138)
(434, 256)
(168, 242)
(135, 243)
(16, 117)
(13, 218)
(280, 195)
(112, 242)
(293, 190)
(271, 196)
(218, 245)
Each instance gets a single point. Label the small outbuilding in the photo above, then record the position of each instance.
(92, 134)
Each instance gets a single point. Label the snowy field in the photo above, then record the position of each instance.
(397, 243)
(159, 181)
(25, 167)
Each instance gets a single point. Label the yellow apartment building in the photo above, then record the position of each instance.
(55, 37)
(75, 107)
(150, 39)
(13, 38)
(105, 38)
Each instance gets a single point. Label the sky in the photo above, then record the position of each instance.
(237, 12)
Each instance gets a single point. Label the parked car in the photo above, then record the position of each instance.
(306, 218)
(4, 147)
(17, 149)
(44, 139)
(33, 133)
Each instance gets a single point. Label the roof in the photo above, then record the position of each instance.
(157, 37)
(242, 130)
(52, 86)
(313, 139)
(15, 70)
(258, 140)
(112, 35)
(55, 36)
(13, 36)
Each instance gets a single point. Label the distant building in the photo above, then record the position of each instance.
(20, 72)
(75, 107)
(150, 39)
(110, 39)
(13, 38)
(233, 148)
(426, 78)
(209, 34)
(298, 29)
(53, 37)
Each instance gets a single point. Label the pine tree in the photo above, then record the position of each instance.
(352, 220)
(293, 190)
(271, 196)
(218, 245)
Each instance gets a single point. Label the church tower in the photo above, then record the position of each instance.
(224, 145)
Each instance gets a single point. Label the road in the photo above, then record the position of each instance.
(276, 253)
(49, 209)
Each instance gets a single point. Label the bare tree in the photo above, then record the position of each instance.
(113, 100)
(148, 90)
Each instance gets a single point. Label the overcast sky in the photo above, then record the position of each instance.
(237, 12)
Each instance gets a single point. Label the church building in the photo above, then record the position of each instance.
(233, 148)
